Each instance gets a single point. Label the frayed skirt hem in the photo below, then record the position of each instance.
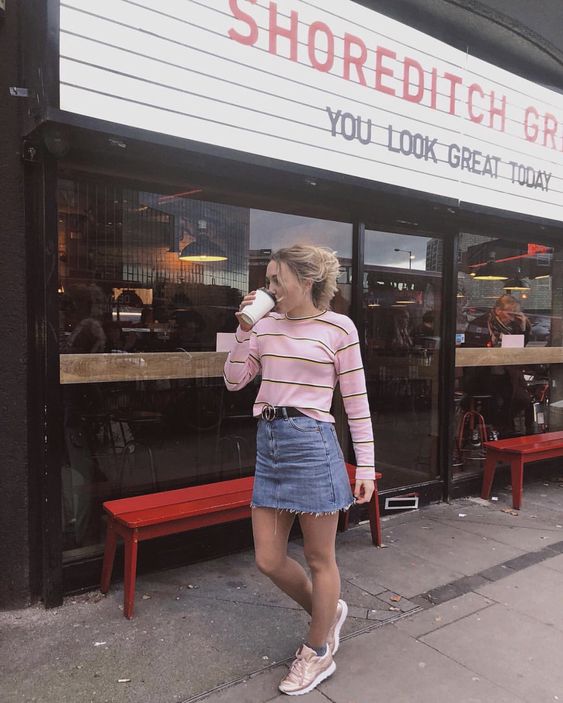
(304, 512)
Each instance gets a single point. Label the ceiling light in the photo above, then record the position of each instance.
(202, 249)
(489, 272)
(516, 284)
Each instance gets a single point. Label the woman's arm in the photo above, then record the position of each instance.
(351, 376)
(243, 361)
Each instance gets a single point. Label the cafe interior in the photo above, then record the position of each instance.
(148, 286)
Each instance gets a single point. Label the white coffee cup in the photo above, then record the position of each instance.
(260, 306)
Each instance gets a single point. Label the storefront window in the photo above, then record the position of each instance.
(509, 339)
(148, 286)
(402, 312)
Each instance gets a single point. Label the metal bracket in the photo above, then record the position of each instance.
(16, 92)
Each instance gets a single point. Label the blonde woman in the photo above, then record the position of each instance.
(302, 350)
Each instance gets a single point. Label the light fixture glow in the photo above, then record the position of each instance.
(202, 249)
(488, 272)
(517, 283)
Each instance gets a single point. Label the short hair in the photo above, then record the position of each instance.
(507, 301)
(319, 265)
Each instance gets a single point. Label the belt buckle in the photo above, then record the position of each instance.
(268, 412)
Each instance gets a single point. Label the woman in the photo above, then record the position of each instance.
(301, 350)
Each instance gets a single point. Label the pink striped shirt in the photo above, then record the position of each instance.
(301, 361)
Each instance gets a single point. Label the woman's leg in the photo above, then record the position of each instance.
(271, 533)
(319, 536)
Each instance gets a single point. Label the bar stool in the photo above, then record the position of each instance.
(474, 420)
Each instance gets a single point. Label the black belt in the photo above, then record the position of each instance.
(269, 412)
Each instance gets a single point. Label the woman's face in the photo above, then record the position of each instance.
(290, 293)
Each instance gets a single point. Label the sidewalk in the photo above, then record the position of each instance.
(464, 604)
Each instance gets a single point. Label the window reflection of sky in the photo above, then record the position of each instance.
(271, 230)
(380, 250)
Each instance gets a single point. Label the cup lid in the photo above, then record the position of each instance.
(272, 296)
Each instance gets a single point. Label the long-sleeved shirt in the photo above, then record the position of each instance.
(301, 360)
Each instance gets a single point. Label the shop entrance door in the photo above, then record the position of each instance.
(402, 294)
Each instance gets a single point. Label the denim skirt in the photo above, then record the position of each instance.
(300, 467)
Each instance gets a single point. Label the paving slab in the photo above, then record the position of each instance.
(259, 688)
(444, 614)
(523, 533)
(500, 511)
(396, 569)
(555, 563)
(451, 547)
(506, 647)
(389, 665)
(536, 591)
(546, 495)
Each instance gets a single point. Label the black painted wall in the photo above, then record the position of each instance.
(15, 574)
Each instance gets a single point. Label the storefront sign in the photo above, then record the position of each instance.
(343, 89)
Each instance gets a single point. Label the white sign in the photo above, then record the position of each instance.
(331, 85)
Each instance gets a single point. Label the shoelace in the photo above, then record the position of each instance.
(298, 669)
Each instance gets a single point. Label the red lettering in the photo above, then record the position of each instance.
(549, 129)
(408, 65)
(434, 89)
(473, 116)
(314, 29)
(358, 61)
(531, 131)
(252, 36)
(497, 112)
(381, 70)
(277, 31)
(454, 82)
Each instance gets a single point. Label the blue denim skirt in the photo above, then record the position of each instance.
(300, 467)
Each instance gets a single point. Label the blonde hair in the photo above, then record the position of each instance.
(319, 265)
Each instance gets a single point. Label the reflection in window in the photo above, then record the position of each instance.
(148, 287)
(490, 268)
(402, 313)
(507, 303)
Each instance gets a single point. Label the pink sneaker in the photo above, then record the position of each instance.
(307, 671)
(333, 638)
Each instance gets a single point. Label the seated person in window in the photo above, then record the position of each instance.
(400, 337)
(505, 384)
(504, 318)
(424, 334)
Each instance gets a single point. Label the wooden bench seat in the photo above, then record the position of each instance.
(517, 452)
(143, 517)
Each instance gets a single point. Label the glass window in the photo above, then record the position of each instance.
(402, 312)
(509, 339)
(148, 286)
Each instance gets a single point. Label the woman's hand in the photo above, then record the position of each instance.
(363, 490)
(247, 300)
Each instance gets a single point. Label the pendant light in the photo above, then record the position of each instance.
(517, 283)
(202, 249)
(489, 272)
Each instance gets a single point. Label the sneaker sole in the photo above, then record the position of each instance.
(343, 616)
(321, 677)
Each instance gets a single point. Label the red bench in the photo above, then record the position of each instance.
(158, 514)
(517, 452)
